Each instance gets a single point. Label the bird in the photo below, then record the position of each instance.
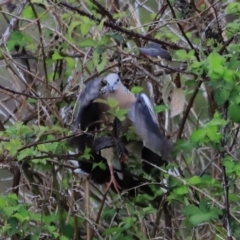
(155, 50)
(140, 114)
(114, 150)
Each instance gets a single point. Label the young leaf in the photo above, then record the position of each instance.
(112, 102)
(199, 135)
(136, 89)
(88, 42)
(160, 108)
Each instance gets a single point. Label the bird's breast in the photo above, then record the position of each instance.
(124, 99)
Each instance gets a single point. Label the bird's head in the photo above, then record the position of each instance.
(111, 83)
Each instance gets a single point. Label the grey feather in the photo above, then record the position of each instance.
(155, 50)
(88, 115)
(103, 142)
(147, 127)
(90, 93)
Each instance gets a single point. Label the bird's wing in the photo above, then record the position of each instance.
(88, 115)
(117, 128)
(155, 50)
(103, 142)
(142, 115)
(90, 93)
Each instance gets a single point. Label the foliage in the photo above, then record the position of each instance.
(49, 49)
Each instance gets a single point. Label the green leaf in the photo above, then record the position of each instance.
(64, 238)
(112, 230)
(99, 100)
(85, 28)
(195, 180)
(70, 62)
(222, 96)
(120, 113)
(20, 217)
(86, 154)
(233, 7)
(190, 210)
(101, 65)
(217, 120)
(88, 42)
(13, 146)
(213, 134)
(233, 197)
(71, 28)
(148, 210)
(181, 55)
(136, 89)
(25, 153)
(215, 60)
(51, 228)
(112, 102)
(31, 100)
(101, 165)
(199, 218)
(228, 75)
(16, 38)
(28, 13)
(56, 56)
(181, 190)
(101, 24)
(199, 135)
(233, 112)
(160, 108)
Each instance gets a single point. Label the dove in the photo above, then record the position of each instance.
(140, 114)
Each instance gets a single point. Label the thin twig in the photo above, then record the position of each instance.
(120, 29)
(226, 219)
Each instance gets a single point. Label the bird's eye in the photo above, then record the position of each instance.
(104, 82)
(118, 80)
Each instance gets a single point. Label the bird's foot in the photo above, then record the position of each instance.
(113, 181)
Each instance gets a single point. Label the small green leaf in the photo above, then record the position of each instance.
(160, 108)
(195, 180)
(25, 153)
(112, 230)
(16, 38)
(215, 60)
(56, 56)
(31, 100)
(101, 65)
(99, 100)
(88, 42)
(181, 55)
(63, 238)
(85, 28)
(233, 197)
(199, 135)
(28, 13)
(148, 210)
(70, 62)
(136, 89)
(228, 75)
(217, 120)
(213, 134)
(112, 102)
(181, 190)
(222, 96)
(233, 113)
(101, 24)
(71, 28)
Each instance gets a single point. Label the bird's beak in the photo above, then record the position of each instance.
(111, 89)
